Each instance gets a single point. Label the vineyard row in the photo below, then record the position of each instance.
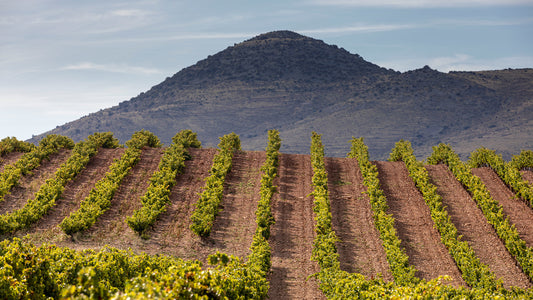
(63, 273)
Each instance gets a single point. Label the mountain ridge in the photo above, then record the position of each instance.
(298, 84)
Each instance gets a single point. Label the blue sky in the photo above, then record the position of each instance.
(61, 60)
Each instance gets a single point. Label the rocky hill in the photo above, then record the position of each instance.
(298, 84)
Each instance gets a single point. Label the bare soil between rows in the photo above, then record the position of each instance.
(29, 184)
(473, 226)
(234, 226)
(9, 159)
(527, 175)
(414, 225)
(293, 233)
(360, 248)
(519, 213)
(46, 229)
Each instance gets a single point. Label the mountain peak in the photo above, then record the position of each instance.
(279, 34)
(280, 56)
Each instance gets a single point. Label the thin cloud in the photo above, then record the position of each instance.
(114, 68)
(359, 28)
(176, 37)
(421, 3)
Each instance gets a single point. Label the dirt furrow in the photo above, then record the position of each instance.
(527, 175)
(75, 191)
(360, 248)
(9, 158)
(473, 226)
(112, 224)
(414, 224)
(30, 184)
(293, 233)
(519, 213)
(171, 233)
(235, 225)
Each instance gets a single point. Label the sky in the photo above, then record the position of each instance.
(61, 60)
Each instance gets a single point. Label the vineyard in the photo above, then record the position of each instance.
(100, 220)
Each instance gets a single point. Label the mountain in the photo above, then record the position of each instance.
(298, 84)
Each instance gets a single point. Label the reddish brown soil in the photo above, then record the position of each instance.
(30, 184)
(519, 213)
(111, 227)
(360, 248)
(293, 233)
(8, 159)
(76, 190)
(171, 233)
(473, 226)
(527, 175)
(235, 226)
(413, 222)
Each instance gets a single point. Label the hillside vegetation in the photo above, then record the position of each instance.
(298, 84)
(102, 220)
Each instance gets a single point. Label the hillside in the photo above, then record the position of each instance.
(293, 204)
(297, 84)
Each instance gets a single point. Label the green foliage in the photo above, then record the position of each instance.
(187, 138)
(338, 284)
(52, 189)
(491, 208)
(156, 198)
(11, 144)
(524, 160)
(475, 273)
(207, 206)
(324, 249)
(143, 138)
(508, 172)
(403, 273)
(30, 160)
(30, 272)
(99, 199)
(259, 258)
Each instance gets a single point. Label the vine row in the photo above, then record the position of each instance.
(491, 208)
(11, 144)
(51, 272)
(30, 160)
(207, 206)
(474, 272)
(156, 198)
(53, 188)
(508, 172)
(99, 199)
(403, 273)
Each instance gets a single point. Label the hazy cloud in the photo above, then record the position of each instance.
(114, 68)
(359, 28)
(421, 3)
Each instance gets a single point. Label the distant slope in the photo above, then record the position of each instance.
(297, 84)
